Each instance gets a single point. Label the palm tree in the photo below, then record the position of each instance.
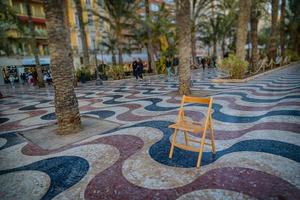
(150, 49)
(254, 25)
(184, 46)
(218, 23)
(110, 45)
(241, 35)
(34, 47)
(294, 25)
(120, 19)
(272, 42)
(66, 104)
(282, 27)
(228, 20)
(199, 9)
(83, 37)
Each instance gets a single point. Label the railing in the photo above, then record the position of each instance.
(264, 65)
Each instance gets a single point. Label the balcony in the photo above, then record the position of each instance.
(41, 34)
(34, 19)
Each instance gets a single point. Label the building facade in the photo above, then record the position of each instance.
(22, 48)
(21, 58)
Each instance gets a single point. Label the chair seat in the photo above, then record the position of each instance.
(189, 126)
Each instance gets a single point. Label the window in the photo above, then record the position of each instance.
(100, 3)
(143, 16)
(76, 20)
(46, 49)
(154, 7)
(142, 4)
(169, 1)
(90, 19)
(17, 7)
(38, 11)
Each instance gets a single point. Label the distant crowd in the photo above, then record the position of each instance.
(31, 78)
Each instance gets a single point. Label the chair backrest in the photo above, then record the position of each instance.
(200, 100)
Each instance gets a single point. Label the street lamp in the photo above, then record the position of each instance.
(98, 80)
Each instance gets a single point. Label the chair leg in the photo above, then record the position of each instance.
(201, 151)
(212, 139)
(186, 138)
(173, 142)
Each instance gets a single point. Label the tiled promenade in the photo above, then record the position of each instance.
(257, 132)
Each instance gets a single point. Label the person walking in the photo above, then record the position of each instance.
(203, 61)
(214, 60)
(140, 68)
(30, 79)
(23, 78)
(134, 69)
(12, 81)
(175, 65)
(168, 68)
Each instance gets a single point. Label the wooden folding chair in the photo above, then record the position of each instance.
(187, 126)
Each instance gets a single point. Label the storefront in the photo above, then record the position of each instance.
(16, 66)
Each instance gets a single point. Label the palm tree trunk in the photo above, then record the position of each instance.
(83, 37)
(34, 46)
(113, 58)
(241, 36)
(193, 42)
(151, 61)
(120, 56)
(272, 42)
(184, 46)
(254, 26)
(214, 46)
(282, 28)
(223, 46)
(66, 104)
(150, 49)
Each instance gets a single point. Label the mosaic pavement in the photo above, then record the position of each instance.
(257, 126)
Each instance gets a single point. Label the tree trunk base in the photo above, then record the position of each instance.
(184, 89)
(75, 84)
(71, 126)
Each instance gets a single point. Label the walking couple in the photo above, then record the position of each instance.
(138, 68)
(169, 63)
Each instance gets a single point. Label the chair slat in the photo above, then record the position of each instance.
(188, 99)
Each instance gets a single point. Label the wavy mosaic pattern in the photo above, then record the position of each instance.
(257, 126)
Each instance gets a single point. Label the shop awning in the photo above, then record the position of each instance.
(7, 61)
(31, 61)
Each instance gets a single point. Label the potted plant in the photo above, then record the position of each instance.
(235, 66)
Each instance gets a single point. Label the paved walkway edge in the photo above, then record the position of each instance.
(223, 80)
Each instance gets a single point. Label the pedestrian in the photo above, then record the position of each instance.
(208, 62)
(140, 68)
(45, 77)
(23, 78)
(30, 79)
(35, 77)
(168, 64)
(203, 61)
(49, 78)
(214, 60)
(12, 81)
(175, 65)
(134, 69)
